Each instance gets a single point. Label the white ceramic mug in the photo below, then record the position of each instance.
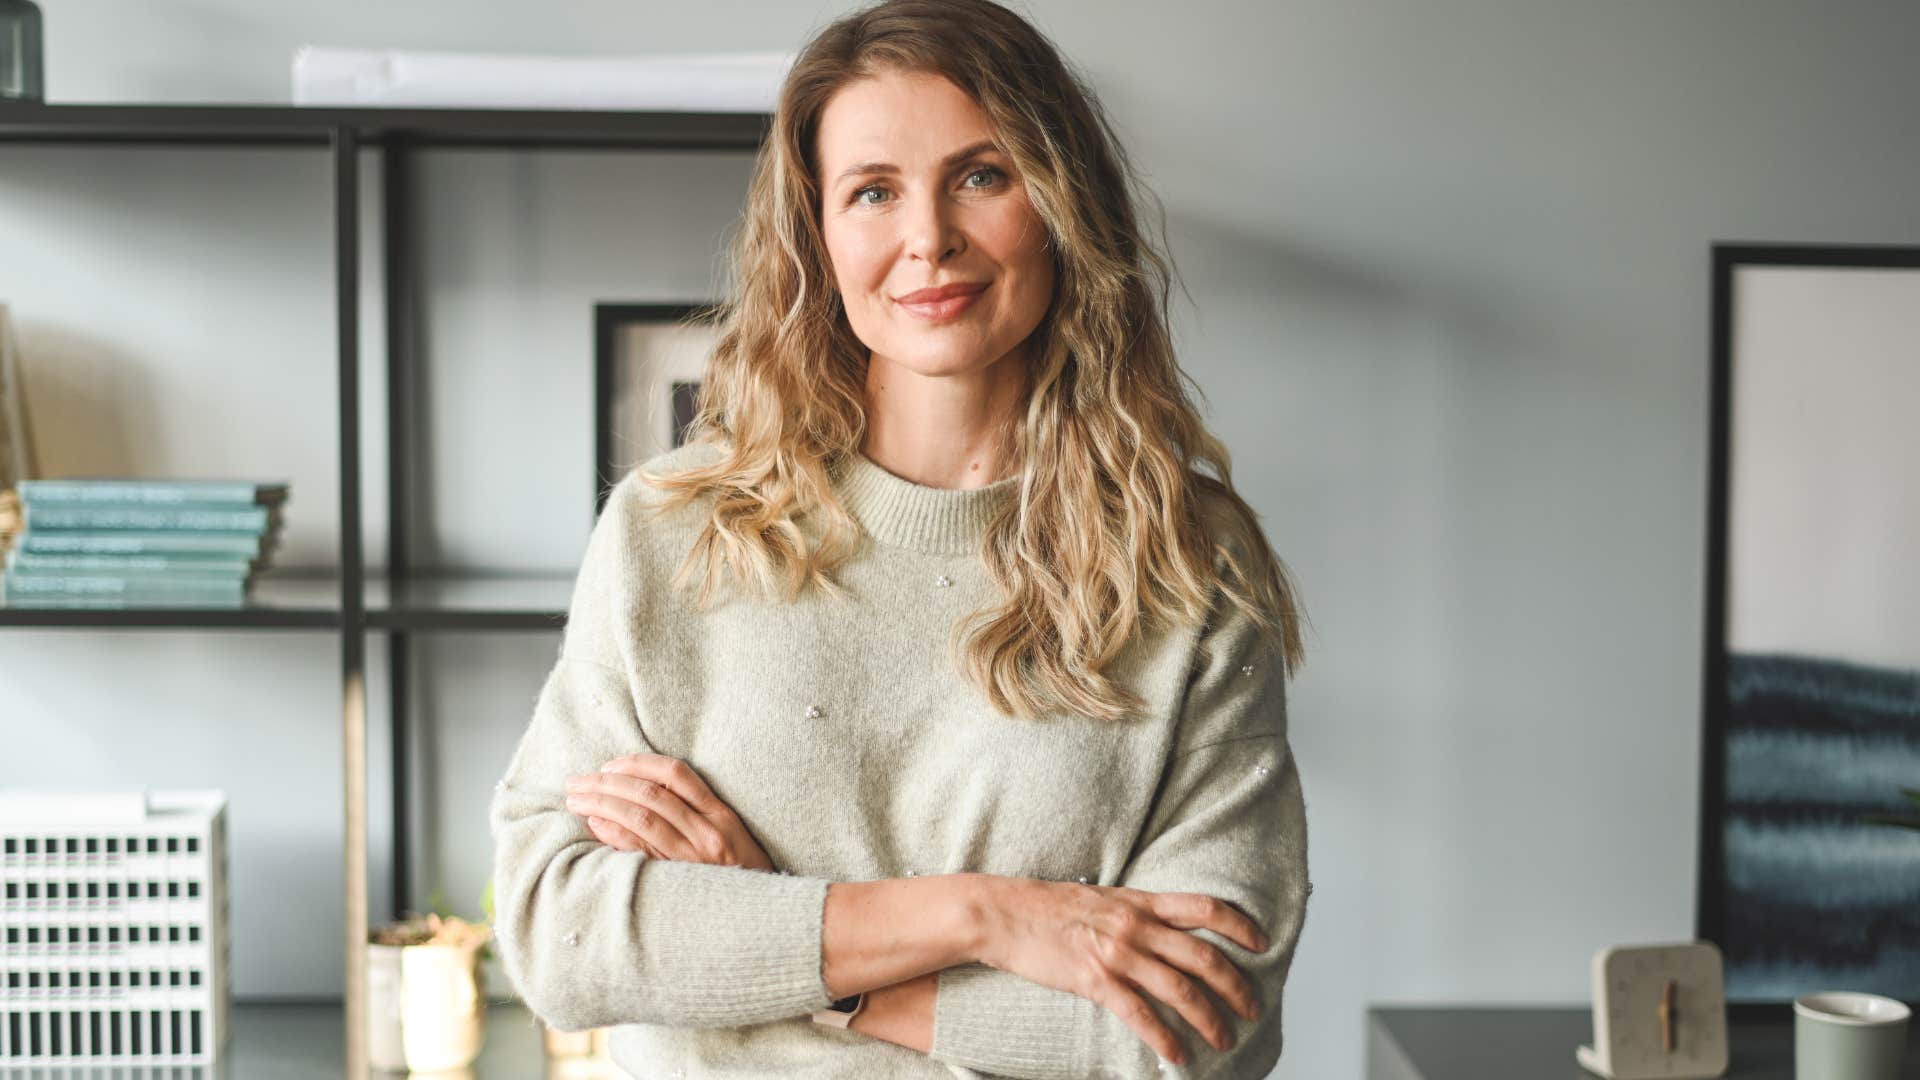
(1841, 1035)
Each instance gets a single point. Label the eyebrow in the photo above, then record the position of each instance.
(867, 167)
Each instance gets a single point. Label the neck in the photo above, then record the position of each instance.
(944, 431)
(899, 512)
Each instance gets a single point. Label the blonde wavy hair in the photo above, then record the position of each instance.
(1110, 531)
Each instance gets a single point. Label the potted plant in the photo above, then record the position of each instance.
(426, 1001)
(389, 1046)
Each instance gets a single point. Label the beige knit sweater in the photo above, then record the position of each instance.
(842, 736)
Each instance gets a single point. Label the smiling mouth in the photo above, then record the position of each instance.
(941, 308)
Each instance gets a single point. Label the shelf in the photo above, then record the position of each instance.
(296, 600)
(293, 1041)
(307, 1042)
(469, 602)
(280, 600)
(289, 125)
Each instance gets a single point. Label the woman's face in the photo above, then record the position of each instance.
(915, 197)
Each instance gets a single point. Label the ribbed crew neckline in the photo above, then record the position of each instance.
(897, 511)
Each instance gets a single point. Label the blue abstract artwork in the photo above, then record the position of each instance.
(1810, 835)
(1819, 892)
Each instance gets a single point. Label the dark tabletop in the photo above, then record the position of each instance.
(1538, 1044)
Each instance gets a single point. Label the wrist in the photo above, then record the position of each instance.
(975, 899)
(901, 1013)
(844, 1012)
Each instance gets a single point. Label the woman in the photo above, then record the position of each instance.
(968, 753)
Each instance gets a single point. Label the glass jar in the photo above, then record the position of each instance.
(22, 75)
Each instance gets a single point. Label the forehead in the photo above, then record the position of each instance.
(902, 118)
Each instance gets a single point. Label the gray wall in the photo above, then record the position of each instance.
(1448, 277)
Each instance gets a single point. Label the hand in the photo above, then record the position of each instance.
(659, 806)
(1105, 942)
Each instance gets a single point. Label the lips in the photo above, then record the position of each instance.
(944, 292)
(943, 302)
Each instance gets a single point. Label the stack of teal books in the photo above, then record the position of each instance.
(112, 543)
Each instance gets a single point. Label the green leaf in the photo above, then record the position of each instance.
(1912, 794)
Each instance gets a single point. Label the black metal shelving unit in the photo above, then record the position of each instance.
(352, 603)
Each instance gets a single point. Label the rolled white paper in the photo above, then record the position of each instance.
(713, 82)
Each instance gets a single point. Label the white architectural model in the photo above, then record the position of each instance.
(113, 927)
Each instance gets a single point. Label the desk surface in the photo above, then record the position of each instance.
(1537, 1044)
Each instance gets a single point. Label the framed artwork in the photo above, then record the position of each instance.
(1810, 821)
(648, 362)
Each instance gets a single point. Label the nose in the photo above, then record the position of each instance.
(933, 235)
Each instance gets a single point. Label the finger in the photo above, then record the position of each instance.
(650, 827)
(611, 835)
(1192, 954)
(676, 775)
(1133, 1011)
(700, 833)
(1167, 983)
(614, 836)
(1198, 911)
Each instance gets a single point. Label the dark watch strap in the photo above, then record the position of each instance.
(842, 1013)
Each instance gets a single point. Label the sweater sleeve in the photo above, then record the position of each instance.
(591, 936)
(1228, 821)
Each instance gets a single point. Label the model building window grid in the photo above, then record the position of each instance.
(113, 936)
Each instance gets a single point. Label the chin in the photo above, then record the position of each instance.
(933, 359)
(934, 369)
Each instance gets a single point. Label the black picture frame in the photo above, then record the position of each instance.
(618, 376)
(1774, 944)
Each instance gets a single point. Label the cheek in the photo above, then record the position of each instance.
(1025, 249)
(859, 261)
(1017, 235)
(1018, 227)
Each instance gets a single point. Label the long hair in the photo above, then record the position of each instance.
(1113, 528)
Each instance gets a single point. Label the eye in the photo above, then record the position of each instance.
(989, 171)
